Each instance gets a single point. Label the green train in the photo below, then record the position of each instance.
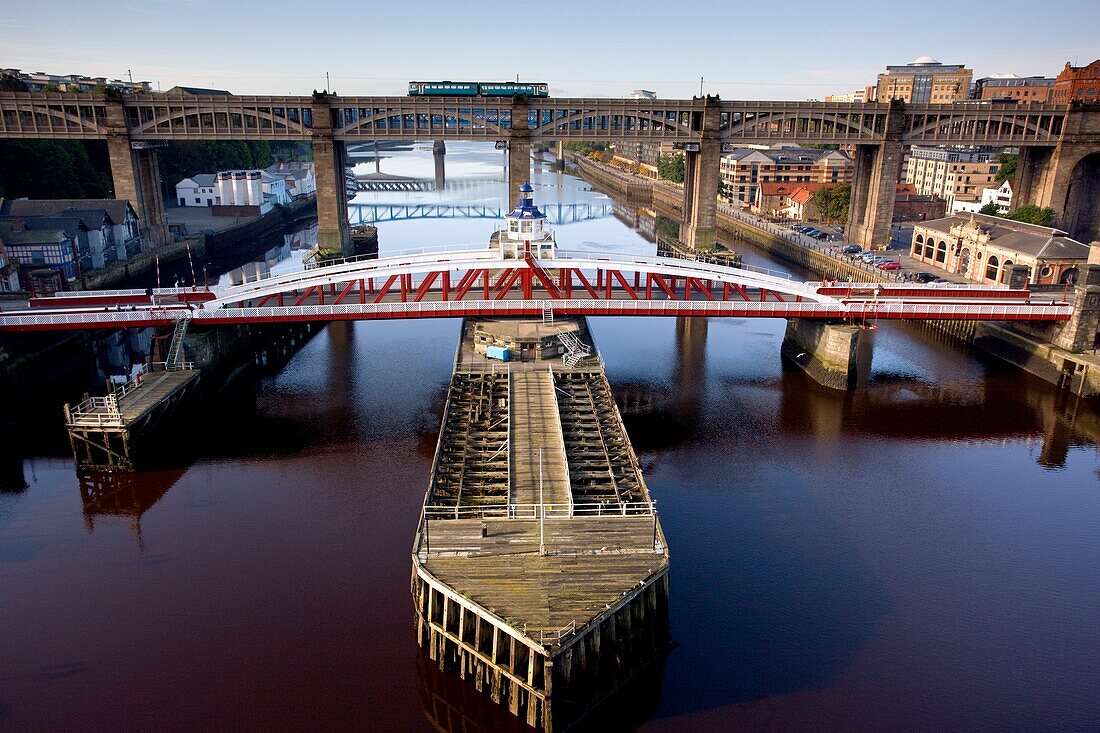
(476, 89)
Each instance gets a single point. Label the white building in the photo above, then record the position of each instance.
(254, 188)
(300, 181)
(1001, 196)
(525, 230)
(198, 190)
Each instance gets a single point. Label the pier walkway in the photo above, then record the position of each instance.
(539, 473)
(540, 570)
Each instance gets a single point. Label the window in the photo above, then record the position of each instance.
(197, 201)
(991, 266)
(941, 252)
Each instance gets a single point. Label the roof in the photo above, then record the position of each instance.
(201, 179)
(30, 236)
(788, 155)
(115, 208)
(1016, 236)
(70, 224)
(196, 91)
(802, 194)
(783, 188)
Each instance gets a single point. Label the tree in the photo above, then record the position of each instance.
(1006, 166)
(832, 202)
(671, 167)
(52, 169)
(990, 209)
(1034, 215)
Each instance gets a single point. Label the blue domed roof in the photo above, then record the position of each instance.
(525, 208)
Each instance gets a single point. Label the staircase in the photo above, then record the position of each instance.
(547, 313)
(174, 361)
(575, 350)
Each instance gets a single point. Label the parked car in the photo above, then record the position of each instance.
(868, 256)
(889, 265)
(924, 277)
(819, 235)
(852, 249)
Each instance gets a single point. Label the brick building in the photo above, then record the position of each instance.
(743, 171)
(1077, 82)
(925, 81)
(953, 174)
(1010, 86)
(983, 249)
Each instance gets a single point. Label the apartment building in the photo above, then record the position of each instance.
(953, 174)
(743, 171)
(925, 81)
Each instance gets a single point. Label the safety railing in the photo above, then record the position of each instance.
(540, 511)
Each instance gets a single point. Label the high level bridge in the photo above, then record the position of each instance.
(1059, 145)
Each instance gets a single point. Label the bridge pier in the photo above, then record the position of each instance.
(439, 150)
(330, 165)
(1065, 177)
(559, 161)
(519, 167)
(1080, 331)
(875, 186)
(135, 177)
(701, 169)
(836, 355)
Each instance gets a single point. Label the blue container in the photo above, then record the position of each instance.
(498, 352)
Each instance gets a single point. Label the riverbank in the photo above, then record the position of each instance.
(1079, 372)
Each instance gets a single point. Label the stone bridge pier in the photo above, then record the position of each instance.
(836, 355)
(330, 165)
(702, 161)
(1066, 177)
(439, 151)
(875, 186)
(135, 176)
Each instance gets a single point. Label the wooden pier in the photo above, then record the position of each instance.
(103, 430)
(540, 571)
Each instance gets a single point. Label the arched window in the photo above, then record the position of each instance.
(963, 266)
(1005, 269)
(991, 266)
(1069, 276)
(941, 252)
(918, 245)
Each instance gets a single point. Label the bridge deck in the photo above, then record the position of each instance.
(137, 403)
(538, 468)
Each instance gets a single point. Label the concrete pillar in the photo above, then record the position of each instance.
(519, 150)
(876, 183)
(701, 168)
(439, 150)
(135, 176)
(836, 355)
(330, 166)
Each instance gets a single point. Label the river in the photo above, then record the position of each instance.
(917, 555)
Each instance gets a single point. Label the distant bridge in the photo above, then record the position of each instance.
(476, 281)
(557, 214)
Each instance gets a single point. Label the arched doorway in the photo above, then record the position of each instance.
(1005, 269)
(964, 262)
(1081, 215)
(1069, 276)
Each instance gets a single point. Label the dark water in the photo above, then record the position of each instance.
(920, 555)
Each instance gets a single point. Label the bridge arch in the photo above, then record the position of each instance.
(366, 125)
(802, 123)
(1081, 213)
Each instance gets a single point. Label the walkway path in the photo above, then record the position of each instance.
(536, 430)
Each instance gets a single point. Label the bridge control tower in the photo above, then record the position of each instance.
(525, 230)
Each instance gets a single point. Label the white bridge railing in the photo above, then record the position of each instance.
(540, 511)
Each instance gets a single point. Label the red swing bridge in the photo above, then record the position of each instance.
(480, 281)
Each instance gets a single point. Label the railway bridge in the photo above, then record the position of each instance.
(1059, 144)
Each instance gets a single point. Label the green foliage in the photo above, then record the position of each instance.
(823, 146)
(671, 167)
(586, 147)
(1034, 215)
(990, 209)
(832, 202)
(51, 88)
(53, 169)
(182, 160)
(1007, 166)
(291, 150)
(667, 228)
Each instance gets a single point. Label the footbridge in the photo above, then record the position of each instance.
(556, 214)
(474, 280)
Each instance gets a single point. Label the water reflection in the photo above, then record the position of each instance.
(124, 495)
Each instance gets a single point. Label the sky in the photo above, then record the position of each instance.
(793, 50)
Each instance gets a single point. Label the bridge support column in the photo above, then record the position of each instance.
(559, 161)
(439, 150)
(330, 166)
(878, 167)
(135, 176)
(519, 167)
(700, 227)
(835, 355)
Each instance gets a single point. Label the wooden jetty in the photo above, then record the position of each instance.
(102, 430)
(540, 570)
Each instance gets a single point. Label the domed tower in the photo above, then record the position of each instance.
(525, 227)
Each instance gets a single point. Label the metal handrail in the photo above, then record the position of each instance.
(537, 511)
